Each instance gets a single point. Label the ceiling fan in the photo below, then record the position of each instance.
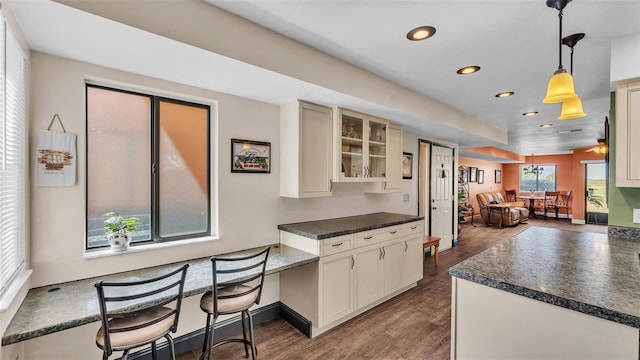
(601, 148)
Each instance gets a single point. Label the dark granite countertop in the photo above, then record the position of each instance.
(323, 229)
(58, 307)
(591, 273)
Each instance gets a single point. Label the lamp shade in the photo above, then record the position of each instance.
(572, 109)
(560, 88)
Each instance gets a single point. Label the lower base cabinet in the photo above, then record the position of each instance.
(368, 268)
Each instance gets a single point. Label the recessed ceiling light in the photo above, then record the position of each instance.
(421, 33)
(546, 125)
(468, 70)
(530, 113)
(504, 94)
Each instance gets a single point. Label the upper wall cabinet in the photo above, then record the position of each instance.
(627, 125)
(306, 152)
(363, 147)
(393, 182)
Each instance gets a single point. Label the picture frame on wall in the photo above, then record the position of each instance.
(498, 176)
(473, 174)
(248, 156)
(407, 165)
(480, 176)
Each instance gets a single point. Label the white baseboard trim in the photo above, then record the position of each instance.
(578, 221)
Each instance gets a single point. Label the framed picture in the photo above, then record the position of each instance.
(498, 176)
(473, 174)
(480, 176)
(407, 165)
(250, 156)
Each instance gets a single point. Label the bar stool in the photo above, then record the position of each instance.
(138, 313)
(434, 241)
(237, 285)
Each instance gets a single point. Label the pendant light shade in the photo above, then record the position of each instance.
(572, 109)
(560, 88)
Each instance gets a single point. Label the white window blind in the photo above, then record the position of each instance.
(13, 157)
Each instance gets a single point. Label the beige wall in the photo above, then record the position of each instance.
(57, 213)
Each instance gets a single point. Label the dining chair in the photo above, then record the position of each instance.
(510, 195)
(562, 202)
(237, 285)
(550, 202)
(138, 313)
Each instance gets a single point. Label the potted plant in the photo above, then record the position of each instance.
(119, 230)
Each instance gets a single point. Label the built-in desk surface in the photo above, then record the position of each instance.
(58, 307)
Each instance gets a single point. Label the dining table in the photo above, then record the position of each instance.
(532, 200)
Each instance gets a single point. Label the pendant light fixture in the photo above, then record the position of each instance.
(560, 87)
(533, 169)
(572, 109)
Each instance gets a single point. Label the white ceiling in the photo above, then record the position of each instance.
(514, 42)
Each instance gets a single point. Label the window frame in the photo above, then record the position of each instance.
(537, 188)
(156, 97)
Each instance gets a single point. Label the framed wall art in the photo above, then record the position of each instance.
(473, 174)
(480, 176)
(498, 176)
(249, 156)
(407, 165)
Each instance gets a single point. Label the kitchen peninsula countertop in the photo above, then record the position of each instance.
(58, 307)
(591, 273)
(323, 229)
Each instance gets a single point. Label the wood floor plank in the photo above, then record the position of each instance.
(413, 325)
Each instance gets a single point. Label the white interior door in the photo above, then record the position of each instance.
(441, 203)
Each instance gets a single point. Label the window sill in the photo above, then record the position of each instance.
(16, 285)
(95, 254)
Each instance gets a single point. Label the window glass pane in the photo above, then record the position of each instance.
(542, 180)
(118, 160)
(183, 169)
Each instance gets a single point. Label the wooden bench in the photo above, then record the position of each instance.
(434, 241)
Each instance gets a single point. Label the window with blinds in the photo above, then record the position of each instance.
(13, 157)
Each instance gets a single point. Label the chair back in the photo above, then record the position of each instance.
(159, 298)
(510, 195)
(244, 274)
(550, 198)
(563, 198)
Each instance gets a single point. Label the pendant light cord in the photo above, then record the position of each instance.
(560, 41)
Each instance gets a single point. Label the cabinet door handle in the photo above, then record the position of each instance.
(368, 237)
(384, 253)
(330, 185)
(353, 262)
(393, 232)
(406, 246)
(385, 186)
(414, 227)
(336, 245)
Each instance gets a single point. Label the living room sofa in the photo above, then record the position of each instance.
(506, 214)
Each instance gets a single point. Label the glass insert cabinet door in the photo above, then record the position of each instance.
(362, 147)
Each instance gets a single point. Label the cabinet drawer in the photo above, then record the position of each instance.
(336, 245)
(376, 236)
(414, 228)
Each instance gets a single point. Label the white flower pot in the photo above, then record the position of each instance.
(119, 241)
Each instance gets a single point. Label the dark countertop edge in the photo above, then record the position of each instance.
(587, 309)
(28, 335)
(287, 228)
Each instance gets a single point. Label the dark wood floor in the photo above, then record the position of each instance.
(413, 325)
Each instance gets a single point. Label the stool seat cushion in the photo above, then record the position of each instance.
(142, 335)
(230, 304)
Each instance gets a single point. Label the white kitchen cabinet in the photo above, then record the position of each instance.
(361, 147)
(355, 272)
(336, 287)
(627, 124)
(413, 258)
(392, 253)
(393, 182)
(306, 150)
(368, 269)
